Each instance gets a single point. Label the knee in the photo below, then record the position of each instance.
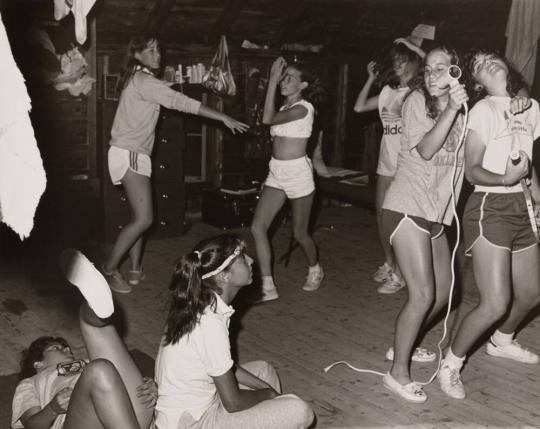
(495, 308)
(268, 374)
(102, 374)
(300, 413)
(422, 299)
(145, 221)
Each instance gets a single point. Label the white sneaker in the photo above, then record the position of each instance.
(420, 354)
(382, 273)
(391, 285)
(79, 271)
(514, 351)
(412, 392)
(313, 280)
(450, 382)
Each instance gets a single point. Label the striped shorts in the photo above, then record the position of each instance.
(122, 159)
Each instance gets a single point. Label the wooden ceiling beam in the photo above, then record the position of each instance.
(292, 23)
(229, 15)
(158, 16)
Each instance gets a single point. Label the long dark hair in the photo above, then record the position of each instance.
(514, 80)
(136, 44)
(190, 294)
(418, 82)
(384, 64)
(314, 92)
(34, 354)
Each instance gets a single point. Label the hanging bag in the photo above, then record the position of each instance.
(219, 78)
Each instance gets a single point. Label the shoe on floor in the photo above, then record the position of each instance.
(391, 285)
(450, 382)
(134, 277)
(313, 280)
(420, 354)
(267, 294)
(411, 392)
(116, 281)
(514, 351)
(80, 272)
(382, 273)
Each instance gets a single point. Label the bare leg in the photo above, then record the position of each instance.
(103, 342)
(526, 282)
(383, 182)
(301, 211)
(270, 202)
(100, 400)
(413, 251)
(492, 272)
(135, 254)
(139, 193)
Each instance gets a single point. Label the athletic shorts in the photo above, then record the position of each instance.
(293, 176)
(122, 159)
(502, 219)
(392, 221)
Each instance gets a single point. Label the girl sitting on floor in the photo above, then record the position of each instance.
(200, 386)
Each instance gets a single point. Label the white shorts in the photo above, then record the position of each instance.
(292, 176)
(122, 159)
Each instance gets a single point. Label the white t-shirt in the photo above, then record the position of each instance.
(38, 391)
(184, 370)
(501, 133)
(423, 187)
(390, 104)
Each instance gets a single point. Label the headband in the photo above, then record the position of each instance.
(411, 46)
(224, 264)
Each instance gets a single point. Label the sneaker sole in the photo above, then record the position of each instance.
(391, 384)
(80, 272)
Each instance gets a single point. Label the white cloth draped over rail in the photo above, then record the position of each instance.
(22, 177)
(80, 9)
(523, 32)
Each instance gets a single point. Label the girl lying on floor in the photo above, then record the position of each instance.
(61, 392)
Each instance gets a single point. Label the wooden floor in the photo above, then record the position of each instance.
(301, 333)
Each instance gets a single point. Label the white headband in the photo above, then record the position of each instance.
(224, 265)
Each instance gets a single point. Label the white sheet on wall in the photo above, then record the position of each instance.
(22, 176)
(522, 33)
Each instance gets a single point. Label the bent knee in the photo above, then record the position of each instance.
(298, 411)
(102, 373)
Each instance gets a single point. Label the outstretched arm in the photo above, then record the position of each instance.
(232, 124)
(363, 103)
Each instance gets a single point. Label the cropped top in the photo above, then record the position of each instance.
(300, 128)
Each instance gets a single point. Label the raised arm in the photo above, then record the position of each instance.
(434, 139)
(236, 399)
(363, 103)
(276, 73)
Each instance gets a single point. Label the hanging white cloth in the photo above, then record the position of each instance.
(80, 9)
(523, 32)
(22, 177)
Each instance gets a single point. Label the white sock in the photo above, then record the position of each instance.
(315, 268)
(268, 282)
(452, 360)
(501, 339)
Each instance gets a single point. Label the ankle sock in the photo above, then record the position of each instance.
(452, 360)
(501, 339)
(268, 282)
(314, 268)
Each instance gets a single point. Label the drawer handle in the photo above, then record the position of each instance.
(165, 140)
(119, 227)
(165, 196)
(163, 166)
(163, 223)
(123, 198)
